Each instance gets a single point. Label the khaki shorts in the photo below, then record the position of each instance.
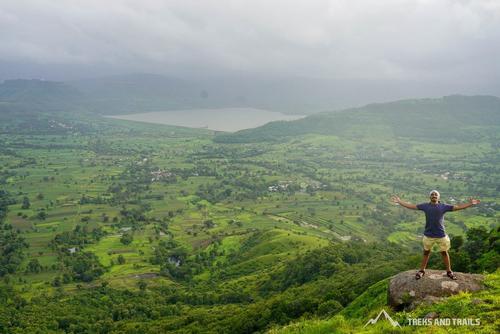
(442, 243)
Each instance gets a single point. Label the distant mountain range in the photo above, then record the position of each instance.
(110, 95)
(135, 93)
(452, 117)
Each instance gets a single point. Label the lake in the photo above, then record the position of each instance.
(226, 119)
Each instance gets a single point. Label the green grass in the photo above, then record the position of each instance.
(483, 305)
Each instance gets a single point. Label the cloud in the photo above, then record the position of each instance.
(392, 39)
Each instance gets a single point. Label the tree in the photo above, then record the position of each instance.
(57, 281)
(126, 239)
(26, 203)
(490, 261)
(121, 259)
(329, 308)
(42, 215)
(208, 223)
(142, 285)
(477, 242)
(34, 266)
(460, 260)
(84, 266)
(457, 242)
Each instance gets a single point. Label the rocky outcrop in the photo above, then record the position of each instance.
(405, 292)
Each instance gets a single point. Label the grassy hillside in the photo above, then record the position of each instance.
(451, 118)
(481, 305)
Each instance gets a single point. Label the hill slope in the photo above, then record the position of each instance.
(37, 95)
(450, 117)
(138, 93)
(482, 305)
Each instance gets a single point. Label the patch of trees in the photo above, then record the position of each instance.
(97, 310)
(214, 192)
(121, 259)
(4, 175)
(91, 200)
(331, 260)
(135, 180)
(174, 261)
(202, 170)
(131, 216)
(12, 245)
(239, 188)
(5, 201)
(34, 266)
(26, 203)
(83, 266)
(100, 146)
(127, 238)
(78, 267)
(79, 237)
(42, 214)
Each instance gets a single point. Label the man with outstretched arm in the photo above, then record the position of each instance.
(434, 228)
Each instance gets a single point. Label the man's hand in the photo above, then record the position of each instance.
(398, 200)
(474, 201)
(395, 199)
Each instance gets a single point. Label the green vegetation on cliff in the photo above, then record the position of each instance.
(482, 305)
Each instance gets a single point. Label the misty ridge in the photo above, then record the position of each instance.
(445, 117)
(134, 93)
(450, 118)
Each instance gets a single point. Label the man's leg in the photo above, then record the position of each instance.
(425, 259)
(444, 245)
(446, 260)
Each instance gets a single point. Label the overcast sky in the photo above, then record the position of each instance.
(438, 41)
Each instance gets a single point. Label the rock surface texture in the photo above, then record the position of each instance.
(405, 292)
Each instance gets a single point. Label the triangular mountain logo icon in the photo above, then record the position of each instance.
(386, 315)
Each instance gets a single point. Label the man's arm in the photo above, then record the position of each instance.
(472, 201)
(398, 200)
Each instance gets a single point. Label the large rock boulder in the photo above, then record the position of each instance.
(405, 292)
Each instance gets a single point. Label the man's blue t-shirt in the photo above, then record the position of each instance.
(434, 218)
